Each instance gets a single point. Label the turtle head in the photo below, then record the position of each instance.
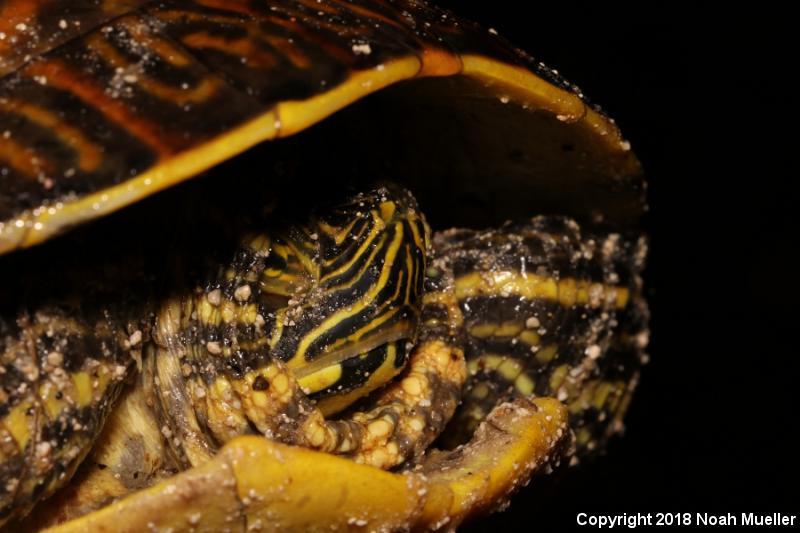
(321, 308)
(335, 298)
(357, 301)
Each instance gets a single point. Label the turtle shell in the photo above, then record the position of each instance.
(105, 103)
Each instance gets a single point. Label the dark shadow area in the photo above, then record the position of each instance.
(697, 91)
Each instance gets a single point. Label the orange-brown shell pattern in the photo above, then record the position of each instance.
(94, 93)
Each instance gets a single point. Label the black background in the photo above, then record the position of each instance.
(701, 95)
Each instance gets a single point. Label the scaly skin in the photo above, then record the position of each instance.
(307, 319)
(548, 309)
(285, 318)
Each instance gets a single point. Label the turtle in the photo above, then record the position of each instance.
(392, 269)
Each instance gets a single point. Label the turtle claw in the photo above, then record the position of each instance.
(257, 484)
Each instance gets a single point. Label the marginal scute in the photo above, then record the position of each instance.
(114, 96)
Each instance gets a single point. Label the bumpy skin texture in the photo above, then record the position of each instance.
(548, 309)
(321, 308)
(63, 360)
(60, 374)
(344, 291)
(350, 280)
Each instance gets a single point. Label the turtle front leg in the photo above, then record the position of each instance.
(550, 309)
(128, 455)
(60, 372)
(403, 420)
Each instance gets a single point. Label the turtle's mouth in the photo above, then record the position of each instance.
(322, 380)
(309, 374)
